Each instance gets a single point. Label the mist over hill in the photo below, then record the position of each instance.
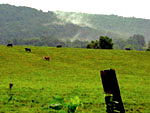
(111, 25)
(25, 22)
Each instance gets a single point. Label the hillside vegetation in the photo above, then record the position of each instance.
(110, 25)
(25, 22)
(71, 72)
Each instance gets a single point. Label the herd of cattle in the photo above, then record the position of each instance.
(47, 57)
(58, 46)
(29, 50)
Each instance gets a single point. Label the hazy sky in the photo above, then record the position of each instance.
(126, 8)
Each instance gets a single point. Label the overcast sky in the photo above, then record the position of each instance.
(126, 8)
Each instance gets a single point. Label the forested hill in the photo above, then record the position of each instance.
(25, 22)
(112, 24)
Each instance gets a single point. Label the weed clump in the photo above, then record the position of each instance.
(59, 103)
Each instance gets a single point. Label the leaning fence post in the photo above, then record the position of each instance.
(111, 88)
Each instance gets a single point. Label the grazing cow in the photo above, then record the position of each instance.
(28, 49)
(46, 58)
(9, 45)
(59, 46)
(127, 48)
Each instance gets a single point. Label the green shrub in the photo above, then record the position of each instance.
(71, 105)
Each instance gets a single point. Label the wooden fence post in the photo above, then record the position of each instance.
(111, 89)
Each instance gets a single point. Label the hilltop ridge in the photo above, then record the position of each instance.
(25, 22)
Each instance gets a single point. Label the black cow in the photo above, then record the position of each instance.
(127, 48)
(28, 49)
(9, 45)
(59, 46)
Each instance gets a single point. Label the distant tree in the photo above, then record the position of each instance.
(137, 41)
(96, 45)
(93, 45)
(119, 43)
(148, 46)
(88, 46)
(105, 42)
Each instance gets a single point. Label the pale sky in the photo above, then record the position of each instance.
(126, 8)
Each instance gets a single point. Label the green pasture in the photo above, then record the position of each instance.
(71, 72)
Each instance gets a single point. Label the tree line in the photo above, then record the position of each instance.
(45, 41)
(135, 42)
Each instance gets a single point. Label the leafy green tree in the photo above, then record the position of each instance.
(96, 45)
(90, 45)
(105, 42)
(93, 45)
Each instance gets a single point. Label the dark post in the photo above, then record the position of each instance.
(10, 85)
(111, 89)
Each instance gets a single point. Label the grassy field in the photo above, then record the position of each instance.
(71, 72)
